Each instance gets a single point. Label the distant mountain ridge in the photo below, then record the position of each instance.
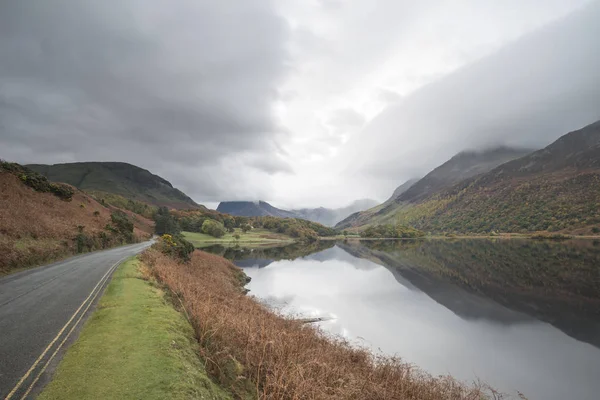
(253, 209)
(324, 216)
(553, 189)
(462, 166)
(331, 216)
(120, 178)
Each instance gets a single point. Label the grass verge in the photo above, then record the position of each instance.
(256, 353)
(255, 236)
(134, 346)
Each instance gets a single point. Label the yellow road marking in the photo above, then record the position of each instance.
(35, 364)
(114, 267)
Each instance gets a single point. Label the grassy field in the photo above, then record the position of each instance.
(255, 236)
(135, 346)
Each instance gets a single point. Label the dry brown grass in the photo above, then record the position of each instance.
(258, 354)
(39, 227)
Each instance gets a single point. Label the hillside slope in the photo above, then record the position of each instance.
(553, 189)
(119, 178)
(38, 226)
(462, 166)
(401, 189)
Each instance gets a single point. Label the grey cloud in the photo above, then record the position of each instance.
(180, 83)
(527, 94)
(346, 118)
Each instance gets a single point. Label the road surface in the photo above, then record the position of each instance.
(41, 310)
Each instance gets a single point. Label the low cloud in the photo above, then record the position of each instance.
(527, 95)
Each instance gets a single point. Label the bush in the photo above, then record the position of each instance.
(213, 228)
(175, 246)
(123, 225)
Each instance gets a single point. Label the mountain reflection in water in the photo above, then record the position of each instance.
(472, 308)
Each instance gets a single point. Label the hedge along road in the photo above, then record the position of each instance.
(41, 310)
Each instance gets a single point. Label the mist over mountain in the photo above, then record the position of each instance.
(552, 189)
(331, 216)
(322, 215)
(525, 95)
(463, 165)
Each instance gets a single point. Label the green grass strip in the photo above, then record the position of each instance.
(255, 236)
(134, 346)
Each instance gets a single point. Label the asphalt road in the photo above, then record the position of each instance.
(41, 310)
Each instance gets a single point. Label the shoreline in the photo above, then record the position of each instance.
(249, 348)
(533, 236)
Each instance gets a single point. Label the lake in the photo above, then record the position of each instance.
(521, 315)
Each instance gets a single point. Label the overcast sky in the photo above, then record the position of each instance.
(297, 102)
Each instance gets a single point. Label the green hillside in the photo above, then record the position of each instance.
(464, 165)
(118, 178)
(553, 189)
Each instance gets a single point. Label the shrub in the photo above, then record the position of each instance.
(213, 228)
(175, 246)
(123, 225)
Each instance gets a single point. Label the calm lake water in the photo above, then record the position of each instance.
(519, 315)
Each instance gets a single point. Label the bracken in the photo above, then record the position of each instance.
(259, 354)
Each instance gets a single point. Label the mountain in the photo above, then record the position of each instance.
(253, 209)
(331, 216)
(462, 166)
(324, 216)
(553, 189)
(119, 178)
(401, 189)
